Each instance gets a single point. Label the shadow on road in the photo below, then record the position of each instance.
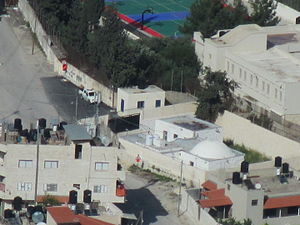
(143, 199)
(62, 95)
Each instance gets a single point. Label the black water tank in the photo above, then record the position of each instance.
(60, 127)
(24, 133)
(73, 197)
(18, 124)
(17, 203)
(244, 167)
(47, 133)
(33, 135)
(278, 161)
(236, 179)
(285, 168)
(42, 123)
(8, 213)
(87, 196)
(30, 211)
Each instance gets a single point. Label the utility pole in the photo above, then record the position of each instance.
(172, 77)
(179, 195)
(37, 162)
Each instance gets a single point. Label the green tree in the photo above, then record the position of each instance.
(209, 16)
(232, 221)
(50, 200)
(264, 12)
(215, 95)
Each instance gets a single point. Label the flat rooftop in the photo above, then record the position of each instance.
(265, 175)
(277, 65)
(136, 90)
(190, 122)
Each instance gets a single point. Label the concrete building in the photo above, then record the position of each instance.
(185, 138)
(133, 100)
(265, 195)
(187, 126)
(264, 61)
(68, 162)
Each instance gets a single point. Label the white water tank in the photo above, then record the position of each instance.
(149, 139)
(156, 140)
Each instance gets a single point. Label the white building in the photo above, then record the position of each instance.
(264, 61)
(60, 168)
(187, 126)
(133, 100)
(185, 138)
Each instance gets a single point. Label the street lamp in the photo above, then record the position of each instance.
(145, 11)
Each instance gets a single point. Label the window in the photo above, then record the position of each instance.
(268, 88)
(122, 105)
(50, 187)
(232, 68)
(78, 151)
(25, 164)
(251, 79)
(254, 202)
(24, 186)
(101, 165)
(191, 163)
(50, 164)
(175, 136)
(245, 76)
(276, 92)
(100, 189)
(157, 103)
(256, 81)
(228, 187)
(263, 86)
(165, 135)
(227, 66)
(140, 104)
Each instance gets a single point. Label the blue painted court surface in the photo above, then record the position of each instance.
(167, 17)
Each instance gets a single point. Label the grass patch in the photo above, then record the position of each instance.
(251, 155)
(159, 177)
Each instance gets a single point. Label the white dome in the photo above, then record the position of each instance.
(212, 150)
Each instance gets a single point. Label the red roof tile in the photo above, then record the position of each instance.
(281, 202)
(63, 215)
(208, 203)
(209, 185)
(214, 194)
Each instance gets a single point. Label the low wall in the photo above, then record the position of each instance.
(166, 165)
(191, 208)
(242, 131)
(169, 111)
(73, 74)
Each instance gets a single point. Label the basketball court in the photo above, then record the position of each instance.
(167, 15)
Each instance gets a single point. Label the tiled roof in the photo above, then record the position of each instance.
(63, 215)
(281, 202)
(209, 185)
(214, 194)
(208, 203)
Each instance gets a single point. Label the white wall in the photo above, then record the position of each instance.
(242, 131)
(73, 74)
(131, 98)
(166, 165)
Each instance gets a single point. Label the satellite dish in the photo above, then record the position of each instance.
(37, 217)
(105, 140)
(257, 186)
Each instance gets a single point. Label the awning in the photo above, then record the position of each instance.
(208, 203)
(282, 202)
(209, 185)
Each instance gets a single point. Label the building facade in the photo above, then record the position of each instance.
(264, 61)
(133, 100)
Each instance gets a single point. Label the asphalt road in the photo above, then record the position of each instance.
(29, 89)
